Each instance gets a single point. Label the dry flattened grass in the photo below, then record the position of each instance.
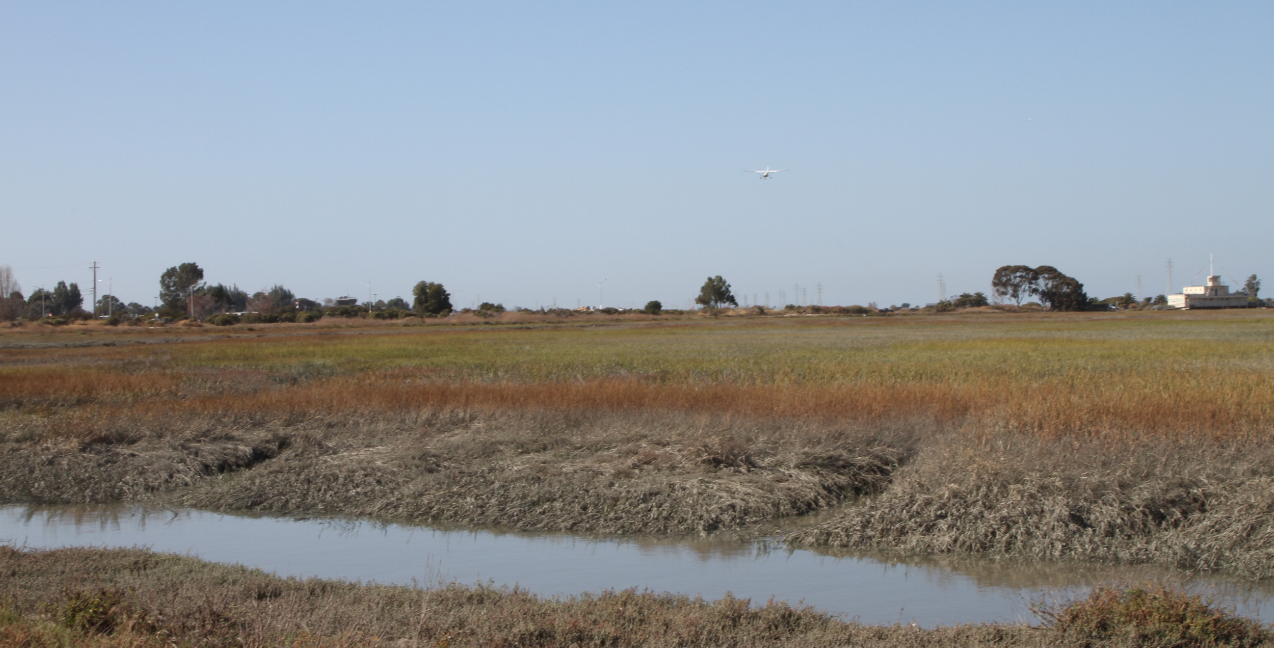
(595, 473)
(1194, 505)
(196, 603)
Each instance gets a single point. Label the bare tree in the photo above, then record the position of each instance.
(10, 294)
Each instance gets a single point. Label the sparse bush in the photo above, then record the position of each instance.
(1149, 614)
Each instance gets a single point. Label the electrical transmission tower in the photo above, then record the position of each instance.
(819, 289)
(1170, 277)
(942, 288)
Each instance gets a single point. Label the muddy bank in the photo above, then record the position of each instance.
(614, 474)
(1198, 505)
(137, 598)
(1195, 503)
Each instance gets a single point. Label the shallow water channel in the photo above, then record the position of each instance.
(854, 586)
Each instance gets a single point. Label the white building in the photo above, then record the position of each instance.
(1212, 295)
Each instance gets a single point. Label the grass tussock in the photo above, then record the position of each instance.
(130, 597)
(1197, 506)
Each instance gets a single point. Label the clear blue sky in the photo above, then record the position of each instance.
(524, 152)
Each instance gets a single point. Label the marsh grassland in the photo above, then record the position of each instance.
(1137, 438)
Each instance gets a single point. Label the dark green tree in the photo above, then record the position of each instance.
(653, 308)
(1060, 292)
(1252, 287)
(177, 283)
(397, 302)
(715, 293)
(966, 300)
(494, 308)
(66, 298)
(1014, 282)
(137, 310)
(1160, 300)
(228, 298)
(431, 298)
(280, 298)
(109, 305)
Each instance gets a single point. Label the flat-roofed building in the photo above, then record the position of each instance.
(1212, 295)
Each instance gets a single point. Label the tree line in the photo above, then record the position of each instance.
(184, 293)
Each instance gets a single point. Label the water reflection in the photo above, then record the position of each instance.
(871, 588)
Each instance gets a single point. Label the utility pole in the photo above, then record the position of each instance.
(94, 269)
(370, 296)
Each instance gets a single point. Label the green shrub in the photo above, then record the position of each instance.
(653, 308)
(224, 319)
(305, 317)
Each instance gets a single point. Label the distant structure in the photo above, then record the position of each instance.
(1213, 295)
(347, 301)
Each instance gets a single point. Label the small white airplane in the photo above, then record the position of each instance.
(765, 173)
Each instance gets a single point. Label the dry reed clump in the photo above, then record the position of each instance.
(597, 473)
(1193, 504)
(189, 602)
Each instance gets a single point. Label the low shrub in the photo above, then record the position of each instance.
(224, 319)
(1150, 614)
